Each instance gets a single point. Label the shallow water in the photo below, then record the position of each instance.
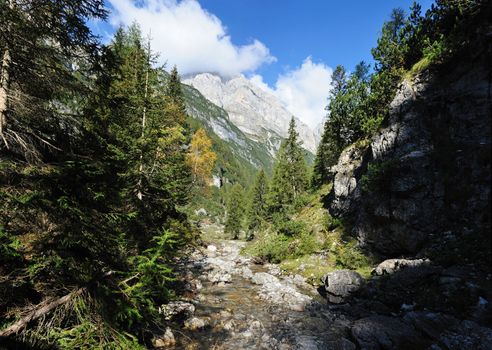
(241, 317)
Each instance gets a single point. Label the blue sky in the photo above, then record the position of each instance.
(330, 31)
(287, 47)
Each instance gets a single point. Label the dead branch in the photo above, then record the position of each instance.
(40, 310)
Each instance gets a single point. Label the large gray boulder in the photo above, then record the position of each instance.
(392, 265)
(177, 309)
(341, 284)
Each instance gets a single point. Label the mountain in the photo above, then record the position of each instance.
(257, 113)
(239, 157)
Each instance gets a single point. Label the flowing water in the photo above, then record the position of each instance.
(249, 306)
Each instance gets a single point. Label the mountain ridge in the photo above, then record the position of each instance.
(257, 113)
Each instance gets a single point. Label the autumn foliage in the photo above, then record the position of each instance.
(201, 158)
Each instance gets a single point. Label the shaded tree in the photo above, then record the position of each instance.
(235, 211)
(257, 206)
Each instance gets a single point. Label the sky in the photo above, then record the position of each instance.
(287, 47)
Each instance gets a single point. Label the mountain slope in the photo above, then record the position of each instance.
(257, 113)
(239, 157)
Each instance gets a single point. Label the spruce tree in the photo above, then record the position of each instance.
(289, 179)
(44, 49)
(257, 207)
(174, 91)
(235, 211)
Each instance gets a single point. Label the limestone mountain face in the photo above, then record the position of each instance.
(423, 182)
(257, 113)
(239, 157)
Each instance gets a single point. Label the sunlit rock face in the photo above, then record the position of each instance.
(257, 113)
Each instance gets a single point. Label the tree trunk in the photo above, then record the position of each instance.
(5, 87)
(144, 121)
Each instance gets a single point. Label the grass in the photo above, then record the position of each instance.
(316, 250)
(417, 68)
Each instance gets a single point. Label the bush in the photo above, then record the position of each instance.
(351, 257)
(291, 228)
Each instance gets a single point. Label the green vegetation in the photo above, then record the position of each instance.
(358, 104)
(235, 211)
(92, 177)
(256, 211)
(311, 244)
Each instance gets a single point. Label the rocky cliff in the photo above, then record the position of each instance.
(260, 115)
(422, 184)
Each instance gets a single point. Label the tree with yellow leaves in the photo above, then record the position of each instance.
(200, 157)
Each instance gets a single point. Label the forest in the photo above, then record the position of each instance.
(103, 171)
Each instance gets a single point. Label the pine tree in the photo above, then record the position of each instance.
(289, 179)
(235, 211)
(174, 91)
(257, 207)
(43, 50)
(331, 139)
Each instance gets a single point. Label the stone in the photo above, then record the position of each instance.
(342, 344)
(392, 265)
(177, 310)
(341, 284)
(430, 163)
(384, 332)
(195, 323)
(165, 341)
(211, 248)
(201, 212)
(451, 332)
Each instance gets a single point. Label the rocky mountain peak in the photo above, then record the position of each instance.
(256, 112)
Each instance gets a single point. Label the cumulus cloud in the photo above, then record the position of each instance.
(186, 35)
(303, 90)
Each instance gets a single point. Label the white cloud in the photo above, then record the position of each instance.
(185, 34)
(303, 90)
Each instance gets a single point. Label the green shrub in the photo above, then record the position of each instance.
(291, 228)
(351, 257)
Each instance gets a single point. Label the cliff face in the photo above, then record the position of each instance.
(258, 114)
(424, 180)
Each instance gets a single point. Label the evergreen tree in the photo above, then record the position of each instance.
(257, 207)
(289, 179)
(174, 90)
(330, 143)
(44, 48)
(235, 211)
(347, 121)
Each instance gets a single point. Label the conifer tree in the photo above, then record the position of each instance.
(257, 207)
(289, 179)
(174, 91)
(235, 211)
(42, 45)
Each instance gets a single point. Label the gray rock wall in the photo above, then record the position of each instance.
(427, 173)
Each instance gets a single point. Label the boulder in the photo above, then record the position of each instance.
(449, 331)
(341, 284)
(177, 310)
(165, 341)
(384, 332)
(195, 323)
(392, 265)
